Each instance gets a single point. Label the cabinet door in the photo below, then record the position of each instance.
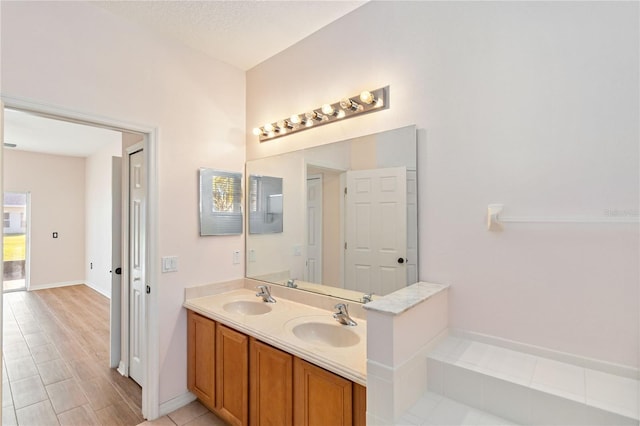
(271, 385)
(359, 405)
(201, 345)
(320, 397)
(232, 373)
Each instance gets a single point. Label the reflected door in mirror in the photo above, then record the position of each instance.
(376, 230)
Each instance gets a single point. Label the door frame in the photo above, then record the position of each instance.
(150, 385)
(27, 238)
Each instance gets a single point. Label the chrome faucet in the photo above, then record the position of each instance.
(265, 294)
(342, 316)
(368, 297)
(292, 283)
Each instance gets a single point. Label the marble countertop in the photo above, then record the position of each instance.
(405, 298)
(275, 329)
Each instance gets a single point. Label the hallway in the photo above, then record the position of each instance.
(56, 357)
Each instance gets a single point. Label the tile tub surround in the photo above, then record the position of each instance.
(530, 389)
(274, 328)
(402, 328)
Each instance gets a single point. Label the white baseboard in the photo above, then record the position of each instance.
(66, 284)
(175, 403)
(54, 285)
(593, 364)
(122, 369)
(99, 290)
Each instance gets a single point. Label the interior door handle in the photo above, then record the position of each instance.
(118, 271)
(401, 260)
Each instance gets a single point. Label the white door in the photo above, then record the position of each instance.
(314, 229)
(136, 263)
(376, 230)
(116, 260)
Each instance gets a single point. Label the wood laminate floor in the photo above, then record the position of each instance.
(56, 361)
(55, 366)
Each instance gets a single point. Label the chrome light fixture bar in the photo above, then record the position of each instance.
(349, 107)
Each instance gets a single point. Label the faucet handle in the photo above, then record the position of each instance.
(342, 308)
(263, 289)
(367, 297)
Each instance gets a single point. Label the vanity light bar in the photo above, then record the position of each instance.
(349, 107)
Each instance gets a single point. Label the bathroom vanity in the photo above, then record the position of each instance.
(281, 363)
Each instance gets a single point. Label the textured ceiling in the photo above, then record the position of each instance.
(240, 33)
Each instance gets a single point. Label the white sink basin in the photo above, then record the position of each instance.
(245, 307)
(319, 333)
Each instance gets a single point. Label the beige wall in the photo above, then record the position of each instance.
(530, 104)
(98, 217)
(57, 187)
(115, 69)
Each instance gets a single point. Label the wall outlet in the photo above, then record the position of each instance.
(252, 255)
(169, 264)
(297, 250)
(236, 257)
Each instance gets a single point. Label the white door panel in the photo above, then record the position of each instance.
(376, 230)
(116, 261)
(136, 264)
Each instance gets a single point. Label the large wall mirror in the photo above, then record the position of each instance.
(349, 217)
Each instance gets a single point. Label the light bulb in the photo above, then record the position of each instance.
(327, 109)
(257, 131)
(314, 115)
(347, 103)
(367, 97)
(341, 114)
(295, 119)
(268, 127)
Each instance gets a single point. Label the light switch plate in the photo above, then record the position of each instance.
(236, 257)
(169, 264)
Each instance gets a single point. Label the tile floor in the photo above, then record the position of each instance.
(193, 414)
(433, 409)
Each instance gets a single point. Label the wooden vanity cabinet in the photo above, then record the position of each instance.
(201, 343)
(245, 381)
(271, 385)
(232, 376)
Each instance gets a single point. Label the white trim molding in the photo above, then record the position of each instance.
(174, 403)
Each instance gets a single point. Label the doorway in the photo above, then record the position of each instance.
(149, 343)
(15, 239)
